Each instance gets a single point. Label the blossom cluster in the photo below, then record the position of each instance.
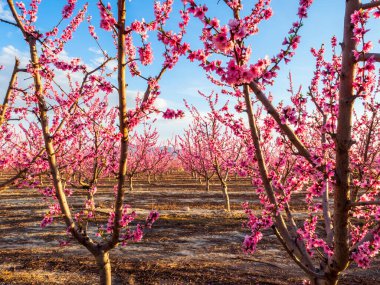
(107, 20)
(366, 251)
(172, 114)
(228, 40)
(365, 79)
(68, 9)
(127, 234)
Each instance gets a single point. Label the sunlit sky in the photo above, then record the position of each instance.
(325, 20)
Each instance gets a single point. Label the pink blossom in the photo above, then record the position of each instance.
(107, 20)
(68, 9)
(172, 114)
(146, 54)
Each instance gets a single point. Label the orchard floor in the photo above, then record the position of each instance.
(193, 242)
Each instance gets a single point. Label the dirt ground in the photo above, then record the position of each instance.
(193, 242)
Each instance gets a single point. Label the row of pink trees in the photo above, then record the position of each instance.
(194, 157)
(20, 152)
(329, 145)
(205, 150)
(146, 155)
(74, 129)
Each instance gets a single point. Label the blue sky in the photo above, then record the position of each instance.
(325, 20)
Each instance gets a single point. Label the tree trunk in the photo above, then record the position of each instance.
(207, 184)
(90, 197)
(343, 143)
(226, 197)
(104, 266)
(331, 280)
(130, 183)
(148, 178)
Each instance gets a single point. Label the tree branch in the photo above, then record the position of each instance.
(285, 128)
(364, 203)
(8, 22)
(297, 249)
(367, 56)
(148, 89)
(49, 145)
(370, 5)
(123, 126)
(308, 270)
(4, 107)
(341, 218)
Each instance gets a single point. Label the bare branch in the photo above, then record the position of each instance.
(9, 90)
(370, 5)
(8, 22)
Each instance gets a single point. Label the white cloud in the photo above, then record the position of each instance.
(166, 128)
(5, 14)
(7, 59)
(95, 50)
(100, 60)
(161, 104)
(9, 53)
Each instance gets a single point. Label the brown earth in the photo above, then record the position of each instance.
(193, 242)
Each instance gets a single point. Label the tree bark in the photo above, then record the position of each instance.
(123, 123)
(226, 197)
(207, 184)
(328, 280)
(343, 144)
(131, 183)
(104, 266)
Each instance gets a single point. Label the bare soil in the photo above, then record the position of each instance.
(194, 241)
